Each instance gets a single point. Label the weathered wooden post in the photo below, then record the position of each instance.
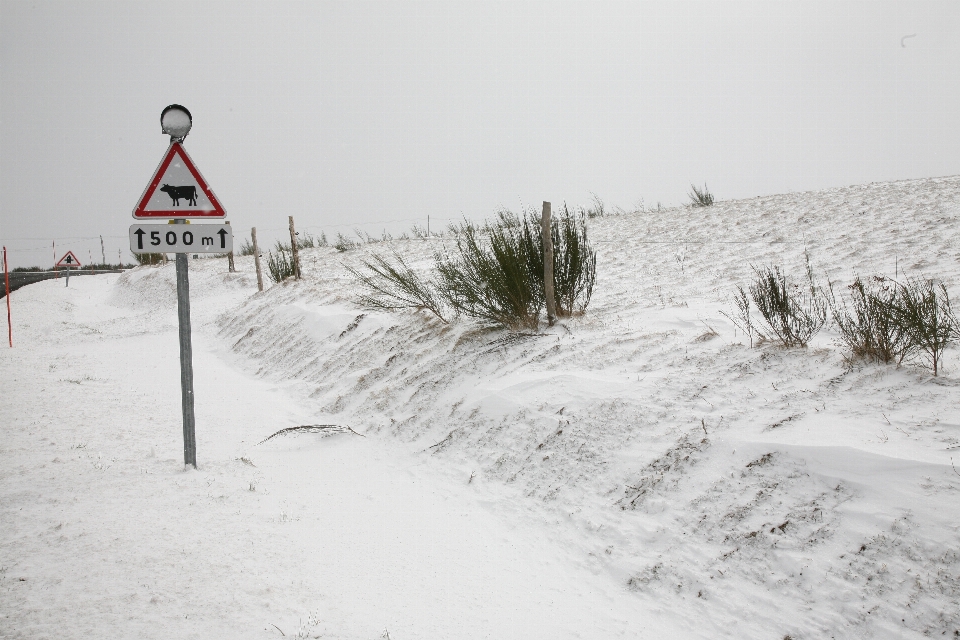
(6, 292)
(256, 258)
(230, 266)
(295, 250)
(546, 232)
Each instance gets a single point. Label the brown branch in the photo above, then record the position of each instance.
(312, 428)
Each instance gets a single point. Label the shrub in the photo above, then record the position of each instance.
(149, 258)
(741, 317)
(418, 232)
(246, 249)
(792, 314)
(343, 244)
(868, 326)
(306, 241)
(397, 286)
(574, 260)
(597, 210)
(280, 266)
(491, 281)
(700, 198)
(922, 311)
(494, 273)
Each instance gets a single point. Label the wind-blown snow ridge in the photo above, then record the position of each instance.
(705, 474)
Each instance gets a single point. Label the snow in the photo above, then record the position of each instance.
(622, 474)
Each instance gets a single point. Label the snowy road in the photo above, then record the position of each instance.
(105, 534)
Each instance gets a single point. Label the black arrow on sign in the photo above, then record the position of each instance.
(139, 233)
(223, 238)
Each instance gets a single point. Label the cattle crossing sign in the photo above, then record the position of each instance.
(177, 190)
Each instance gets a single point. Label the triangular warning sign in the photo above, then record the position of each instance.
(68, 260)
(177, 190)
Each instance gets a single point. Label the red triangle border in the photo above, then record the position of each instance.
(177, 148)
(61, 264)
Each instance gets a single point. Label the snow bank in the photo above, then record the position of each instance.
(766, 488)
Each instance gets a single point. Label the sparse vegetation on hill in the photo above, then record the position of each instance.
(394, 285)
(279, 265)
(868, 327)
(792, 314)
(149, 258)
(700, 197)
(922, 311)
(492, 273)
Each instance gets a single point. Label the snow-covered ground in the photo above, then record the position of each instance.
(637, 472)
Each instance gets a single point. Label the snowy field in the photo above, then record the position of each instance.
(637, 472)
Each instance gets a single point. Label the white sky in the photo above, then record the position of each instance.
(375, 115)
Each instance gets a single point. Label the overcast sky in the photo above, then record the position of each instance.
(375, 115)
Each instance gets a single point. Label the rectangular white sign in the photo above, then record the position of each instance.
(181, 238)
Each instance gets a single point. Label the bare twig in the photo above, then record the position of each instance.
(278, 628)
(312, 428)
(954, 468)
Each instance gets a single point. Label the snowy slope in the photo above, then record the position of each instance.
(627, 473)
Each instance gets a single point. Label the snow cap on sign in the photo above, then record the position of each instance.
(175, 121)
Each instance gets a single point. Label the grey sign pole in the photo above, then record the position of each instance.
(186, 359)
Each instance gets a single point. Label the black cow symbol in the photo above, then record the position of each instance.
(175, 193)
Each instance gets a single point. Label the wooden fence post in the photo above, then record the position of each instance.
(295, 250)
(256, 258)
(6, 289)
(230, 267)
(546, 232)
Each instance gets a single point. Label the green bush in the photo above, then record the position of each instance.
(791, 313)
(246, 249)
(597, 210)
(396, 286)
(494, 273)
(343, 243)
(922, 311)
(280, 266)
(574, 260)
(491, 279)
(149, 258)
(700, 197)
(888, 321)
(868, 326)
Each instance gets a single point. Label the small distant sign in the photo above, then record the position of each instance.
(68, 260)
(177, 190)
(181, 238)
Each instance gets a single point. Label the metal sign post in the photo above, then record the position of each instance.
(178, 180)
(67, 261)
(186, 359)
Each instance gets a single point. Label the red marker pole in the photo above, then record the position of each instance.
(6, 284)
